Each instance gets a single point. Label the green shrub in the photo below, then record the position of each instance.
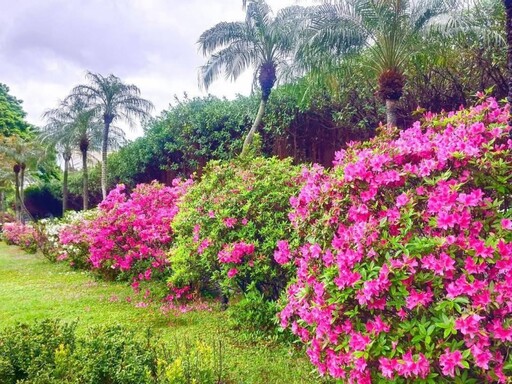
(50, 352)
(115, 355)
(228, 226)
(28, 352)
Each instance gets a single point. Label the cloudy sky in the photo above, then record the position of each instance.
(46, 46)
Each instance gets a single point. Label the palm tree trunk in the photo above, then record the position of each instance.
(2, 209)
(104, 148)
(65, 186)
(391, 117)
(250, 136)
(17, 204)
(23, 209)
(85, 179)
(508, 26)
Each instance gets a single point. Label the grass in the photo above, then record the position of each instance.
(32, 288)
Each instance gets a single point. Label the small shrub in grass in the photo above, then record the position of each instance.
(114, 355)
(228, 226)
(405, 255)
(254, 316)
(188, 362)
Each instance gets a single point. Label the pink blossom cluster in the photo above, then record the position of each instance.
(403, 268)
(235, 252)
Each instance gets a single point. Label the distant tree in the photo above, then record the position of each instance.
(261, 41)
(12, 116)
(111, 100)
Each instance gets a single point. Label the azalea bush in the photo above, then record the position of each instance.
(130, 233)
(72, 242)
(23, 235)
(228, 227)
(405, 254)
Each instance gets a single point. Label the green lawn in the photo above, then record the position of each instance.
(32, 288)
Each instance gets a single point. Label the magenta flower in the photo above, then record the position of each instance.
(449, 361)
(282, 254)
(232, 272)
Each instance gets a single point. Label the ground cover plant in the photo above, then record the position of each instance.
(50, 351)
(405, 254)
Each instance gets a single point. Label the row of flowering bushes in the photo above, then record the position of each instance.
(396, 259)
(405, 255)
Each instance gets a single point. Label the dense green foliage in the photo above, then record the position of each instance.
(12, 115)
(183, 139)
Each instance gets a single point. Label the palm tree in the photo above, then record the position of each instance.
(71, 126)
(261, 41)
(389, 30)
(24, 155)
(112, 100)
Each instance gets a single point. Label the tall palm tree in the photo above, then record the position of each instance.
(389, 30)
(112, 100)
(73, 126)
(262, 42)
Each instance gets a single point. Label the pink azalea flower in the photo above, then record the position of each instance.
(506, 224)
(230, 222)
(402, 200)
(449, 361)
(232, 272)
(282, 254)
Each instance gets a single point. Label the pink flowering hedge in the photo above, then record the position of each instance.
(129, 236)
(405, 259)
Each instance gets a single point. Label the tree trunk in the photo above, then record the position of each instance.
(23, 209)
(104, 149)
(391, 117)
(508, 28)
(250, 136)
(65, 194)
(2, 209)
(85, 177)
(17, 204)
